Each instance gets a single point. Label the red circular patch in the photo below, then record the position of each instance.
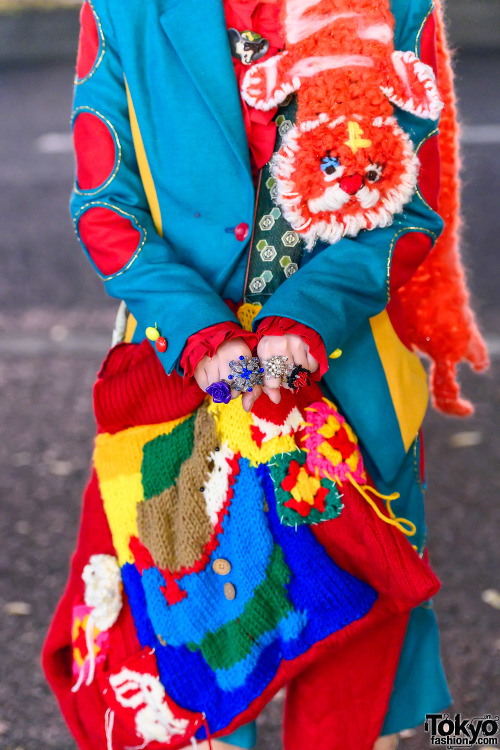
(90, 42)
(410, 251)
(109, 238)
(95, 149)
(429, 175)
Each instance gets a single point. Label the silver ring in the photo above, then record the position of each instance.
(276, 366)
(246, 372)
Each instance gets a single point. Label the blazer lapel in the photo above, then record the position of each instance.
(197, 30)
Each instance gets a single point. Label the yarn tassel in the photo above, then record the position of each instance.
(89, 659)
(207, 730)
(109, 720)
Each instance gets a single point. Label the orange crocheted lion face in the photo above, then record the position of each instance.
(338, 176)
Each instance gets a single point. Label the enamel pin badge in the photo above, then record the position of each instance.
(247, 46)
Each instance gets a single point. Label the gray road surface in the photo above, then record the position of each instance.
(54, 327)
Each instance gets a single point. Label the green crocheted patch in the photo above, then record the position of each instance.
(163, 457)
(234, 641)
(326, 505)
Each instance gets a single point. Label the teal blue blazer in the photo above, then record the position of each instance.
(164, 84)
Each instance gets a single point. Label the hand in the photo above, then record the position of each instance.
(290, 346)
(212, 369)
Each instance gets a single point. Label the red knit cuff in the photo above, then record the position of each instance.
(276, 326)
(207, 341)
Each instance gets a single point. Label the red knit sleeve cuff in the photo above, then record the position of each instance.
(276, 326)
(207, 341)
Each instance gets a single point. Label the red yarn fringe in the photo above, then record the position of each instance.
(436, 301)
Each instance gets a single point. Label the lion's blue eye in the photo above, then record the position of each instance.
(329, 164)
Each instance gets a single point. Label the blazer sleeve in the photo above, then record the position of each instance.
(112, 218)
(346, 283)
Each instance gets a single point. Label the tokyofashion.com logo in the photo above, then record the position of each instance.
(457, 732)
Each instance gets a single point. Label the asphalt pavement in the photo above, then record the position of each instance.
(55, 323)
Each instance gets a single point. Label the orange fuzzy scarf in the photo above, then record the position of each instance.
(440, 321)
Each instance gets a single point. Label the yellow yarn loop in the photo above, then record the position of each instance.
(403, 524)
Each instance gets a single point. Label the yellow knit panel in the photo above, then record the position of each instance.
(117, 461)
(233, 427)
(120, 497)
(122, 453)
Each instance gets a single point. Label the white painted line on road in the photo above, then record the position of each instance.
(28, 345)
(62, 143)
(480, 134)
(54, 143)
(493, 344)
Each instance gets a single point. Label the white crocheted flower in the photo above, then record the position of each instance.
(103, 589)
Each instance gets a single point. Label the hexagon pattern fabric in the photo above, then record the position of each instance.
(276, 249)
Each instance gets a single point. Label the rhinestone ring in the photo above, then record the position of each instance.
(276, 366)
(246, 372)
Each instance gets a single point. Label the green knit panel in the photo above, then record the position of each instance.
(164, 456)
(234, 641)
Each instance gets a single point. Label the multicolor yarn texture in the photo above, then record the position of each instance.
(211, 518)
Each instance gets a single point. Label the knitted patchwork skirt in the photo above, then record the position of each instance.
(222, 556)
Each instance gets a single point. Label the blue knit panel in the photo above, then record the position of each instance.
(132, 584)
(325, 598)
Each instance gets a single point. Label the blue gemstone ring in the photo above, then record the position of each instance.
(246, 372)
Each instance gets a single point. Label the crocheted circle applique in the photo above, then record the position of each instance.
(97, 149)
(91, 45)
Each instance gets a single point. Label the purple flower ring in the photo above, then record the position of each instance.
(220, 392)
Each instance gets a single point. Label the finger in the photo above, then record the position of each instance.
(273, 393)
(212, 372)
(250, 397)
(271, 383)
(312, 363)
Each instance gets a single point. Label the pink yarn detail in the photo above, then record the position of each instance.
(323, 414)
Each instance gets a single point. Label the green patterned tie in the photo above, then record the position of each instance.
(275, 249)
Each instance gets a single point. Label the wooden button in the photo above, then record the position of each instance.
(229, 591)
(162, 640)
(221, 567)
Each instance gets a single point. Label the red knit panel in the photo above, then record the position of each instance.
(341, 700)
(95, 149)
(84, 711)
(88, 48)
(376, 552)
(133, 389)
(110, 238)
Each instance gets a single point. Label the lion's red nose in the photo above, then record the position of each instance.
(351, 184)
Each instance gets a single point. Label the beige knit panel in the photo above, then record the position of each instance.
(174, 525)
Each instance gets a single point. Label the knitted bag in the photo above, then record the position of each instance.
(220, 554)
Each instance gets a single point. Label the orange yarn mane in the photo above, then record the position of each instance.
(439, 319)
